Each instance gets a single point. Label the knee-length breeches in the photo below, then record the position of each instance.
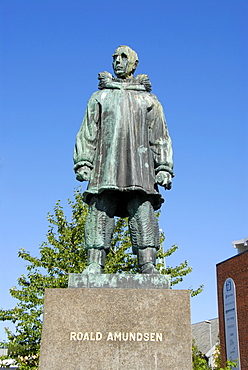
(143, 224)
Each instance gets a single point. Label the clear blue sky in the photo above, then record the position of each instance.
(195, 53)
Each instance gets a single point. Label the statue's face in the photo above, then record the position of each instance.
(124, 63)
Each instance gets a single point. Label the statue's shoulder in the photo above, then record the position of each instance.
(151, 97)
(154, 98)
(96, 96)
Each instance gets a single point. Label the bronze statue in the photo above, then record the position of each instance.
(124, 150)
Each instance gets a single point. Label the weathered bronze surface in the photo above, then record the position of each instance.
(124, 150)
(123, 281)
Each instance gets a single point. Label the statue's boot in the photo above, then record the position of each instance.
(147, 260)
(96, 261)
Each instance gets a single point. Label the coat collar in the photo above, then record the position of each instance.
(139, 83)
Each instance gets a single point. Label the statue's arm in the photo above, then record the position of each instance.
(84, 152)
(161, 146)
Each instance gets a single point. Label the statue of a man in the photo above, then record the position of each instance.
(124, 150)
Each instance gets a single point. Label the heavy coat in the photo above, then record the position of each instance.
(124, 139)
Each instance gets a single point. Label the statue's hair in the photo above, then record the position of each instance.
(133, 55)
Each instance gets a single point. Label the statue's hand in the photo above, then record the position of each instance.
(163, 178)
(83, 173)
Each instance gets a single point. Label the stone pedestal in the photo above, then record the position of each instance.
(116, 328)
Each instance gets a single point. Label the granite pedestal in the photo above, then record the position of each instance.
(110, 328)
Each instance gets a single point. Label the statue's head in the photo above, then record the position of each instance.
(125, 61)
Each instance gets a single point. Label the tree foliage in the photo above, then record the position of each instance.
(62, 253)
(229, 365)
(200, 362)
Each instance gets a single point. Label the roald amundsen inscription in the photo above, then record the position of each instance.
(116, 336)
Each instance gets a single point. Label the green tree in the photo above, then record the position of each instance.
(199, 360)
(217, 360)
(62, 253)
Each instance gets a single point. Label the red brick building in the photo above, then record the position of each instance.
(235, 268)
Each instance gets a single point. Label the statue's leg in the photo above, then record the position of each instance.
(144, 231)
(98, 229)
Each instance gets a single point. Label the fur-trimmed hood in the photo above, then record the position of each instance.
(140, 83)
